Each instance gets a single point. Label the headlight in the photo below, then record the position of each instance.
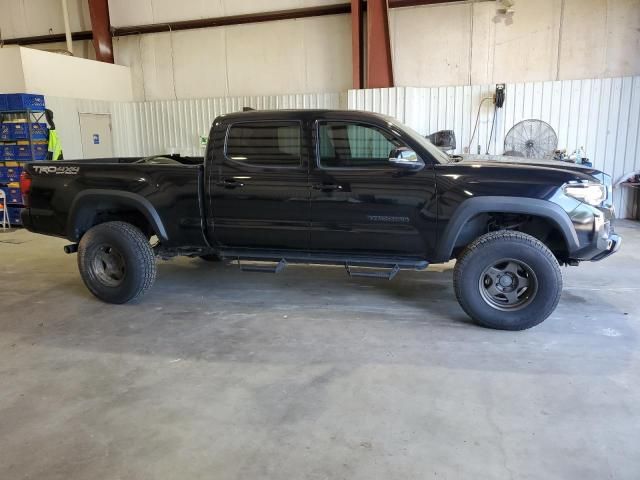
(588, 192)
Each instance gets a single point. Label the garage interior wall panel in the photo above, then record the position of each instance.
(167, 126)
(601, 115)
(273, 58)
(468, 43)
(457, 43)
(175, 126)
(67, 121)
(141, 12)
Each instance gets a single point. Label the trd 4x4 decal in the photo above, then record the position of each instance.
(61, 170)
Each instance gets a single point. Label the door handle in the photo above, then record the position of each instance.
(327, 187)
(230, 183)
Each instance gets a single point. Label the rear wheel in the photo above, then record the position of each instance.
(507, 280)
(116, 262)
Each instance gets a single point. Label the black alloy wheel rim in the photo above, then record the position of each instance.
(108, 265)
(508, 284)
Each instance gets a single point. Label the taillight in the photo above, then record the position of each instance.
(25, 187)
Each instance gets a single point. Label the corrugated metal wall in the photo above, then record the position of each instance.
(601, 115)
(147, 128)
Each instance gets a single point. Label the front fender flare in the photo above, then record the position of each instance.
(83, 201)
(530, 206)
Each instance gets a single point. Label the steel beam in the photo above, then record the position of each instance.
(357, 47)
(51, 38)
(340, 8)
(101, 28)
(379, 68)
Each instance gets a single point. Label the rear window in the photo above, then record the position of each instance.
(273, 144)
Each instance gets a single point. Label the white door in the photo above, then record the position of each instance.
(95, 131)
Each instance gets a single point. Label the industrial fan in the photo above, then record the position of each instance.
(531, 139)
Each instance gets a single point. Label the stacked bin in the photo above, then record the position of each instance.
(23, 138)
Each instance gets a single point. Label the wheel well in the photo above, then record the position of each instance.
(538, 227)
(108, 210)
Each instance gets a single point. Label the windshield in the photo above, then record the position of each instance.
(438, 154)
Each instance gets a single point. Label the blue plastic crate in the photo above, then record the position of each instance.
(7, 152)
(23, 152)
(5, 131)
(13, 194)
(20, 131)
(25, 101)
(39, 131)
(10, 174)
(4, 105)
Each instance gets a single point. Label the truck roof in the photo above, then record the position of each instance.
(294, 114)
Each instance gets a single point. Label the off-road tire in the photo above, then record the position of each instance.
(135, 255)
(481, 254)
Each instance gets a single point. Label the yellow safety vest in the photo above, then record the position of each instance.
(55, 147)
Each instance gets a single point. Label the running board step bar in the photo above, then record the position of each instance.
(277, 268)
(369, 261)
(372, 274)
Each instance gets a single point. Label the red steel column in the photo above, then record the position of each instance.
(356, 44)
(101, 28)
(379, 69)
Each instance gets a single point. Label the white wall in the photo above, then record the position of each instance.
(52, 74)
(11, 73)
(167, 126)
(26, 18)
(67, 121)
(453, 44)
(306, 55)
(141, 12)
(175, 126)
(81, 48)
(445, 44)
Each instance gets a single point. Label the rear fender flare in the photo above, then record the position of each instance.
(87, 199)
(530, 206)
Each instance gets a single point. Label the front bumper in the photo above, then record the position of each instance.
(613, 245)
(595, 233)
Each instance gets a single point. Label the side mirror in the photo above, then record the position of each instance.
(405, 158)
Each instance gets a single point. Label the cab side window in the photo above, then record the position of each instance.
(345, 145)
(270, 144)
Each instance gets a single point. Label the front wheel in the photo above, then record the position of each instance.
(507, 280)
(116, 262)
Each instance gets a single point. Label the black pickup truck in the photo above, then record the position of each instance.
(330, 187)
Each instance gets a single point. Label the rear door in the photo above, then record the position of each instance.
(261, 191)
(360, 202)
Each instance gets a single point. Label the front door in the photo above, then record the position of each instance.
(260, 189)
(360, 202)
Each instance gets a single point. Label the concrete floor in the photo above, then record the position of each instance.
(219, 374)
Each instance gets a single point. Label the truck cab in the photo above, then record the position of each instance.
(322, 181)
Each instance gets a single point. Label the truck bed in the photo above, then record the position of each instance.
(65, 191)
